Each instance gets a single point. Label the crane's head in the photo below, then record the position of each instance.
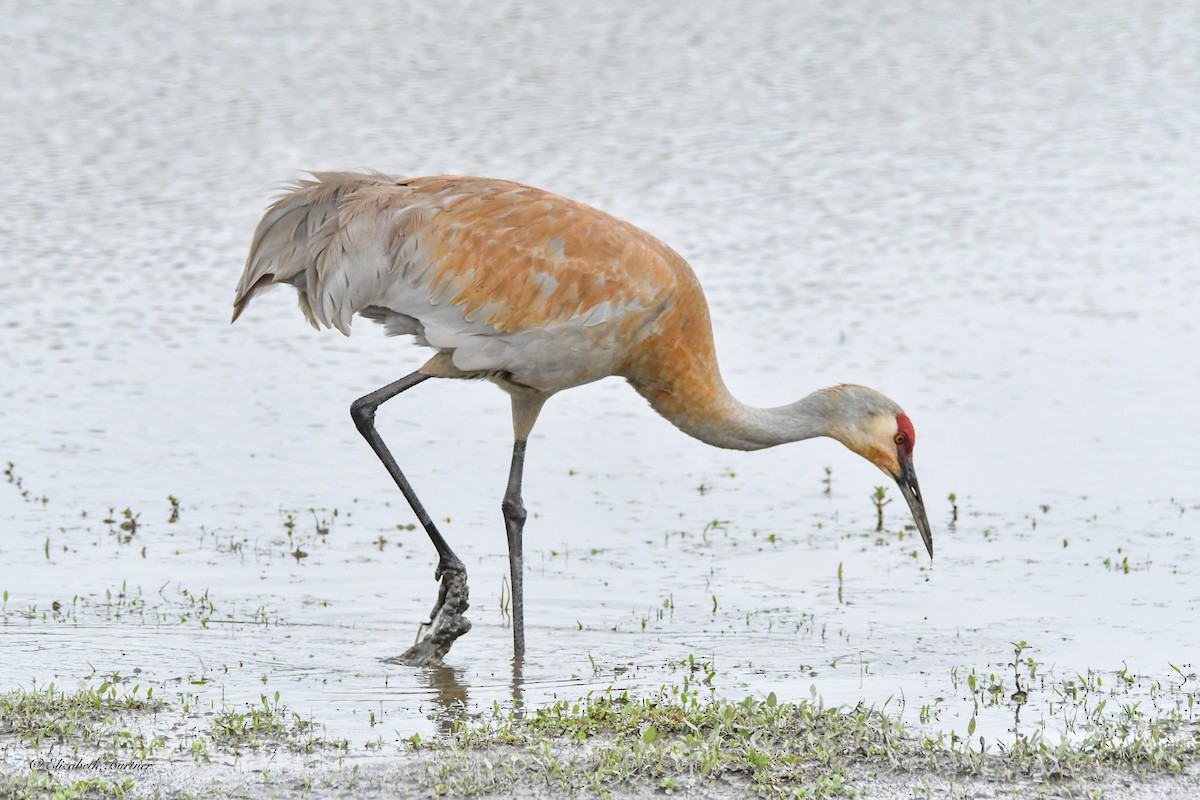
(878, 430)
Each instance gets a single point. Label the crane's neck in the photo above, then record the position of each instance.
(674, 366)
(720, 419)
(746, 427)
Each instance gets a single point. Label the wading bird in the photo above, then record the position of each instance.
(536, 293)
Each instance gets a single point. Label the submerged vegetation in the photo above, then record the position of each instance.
(667, 741)
(264, 725)
(682, 737)
(66, 721)
(677, 740)
(98, 742)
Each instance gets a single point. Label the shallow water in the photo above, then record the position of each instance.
(987, 213)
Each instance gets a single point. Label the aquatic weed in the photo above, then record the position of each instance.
(879, 499)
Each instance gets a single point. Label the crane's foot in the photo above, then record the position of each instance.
(446, 621)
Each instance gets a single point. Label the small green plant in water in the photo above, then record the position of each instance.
(879, 499)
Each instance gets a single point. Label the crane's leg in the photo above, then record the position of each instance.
(514, 522)
(446, 621)
(526, 405)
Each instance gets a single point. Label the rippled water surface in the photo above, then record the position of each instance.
(987, 211)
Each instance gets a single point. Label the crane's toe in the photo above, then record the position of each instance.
(446, 621)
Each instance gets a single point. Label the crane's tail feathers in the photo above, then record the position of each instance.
(242, 300)
(297, 242)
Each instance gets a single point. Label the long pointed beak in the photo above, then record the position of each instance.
(912, 493)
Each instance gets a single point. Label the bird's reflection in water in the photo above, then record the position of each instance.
(450, 693)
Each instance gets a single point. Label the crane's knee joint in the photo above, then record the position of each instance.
(514, 510)
(362, 411)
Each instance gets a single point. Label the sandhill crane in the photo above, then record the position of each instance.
(536, 293)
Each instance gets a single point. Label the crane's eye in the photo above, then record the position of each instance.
(900, 438)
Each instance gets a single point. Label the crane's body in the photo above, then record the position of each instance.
(506, 281)
(537, 293)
